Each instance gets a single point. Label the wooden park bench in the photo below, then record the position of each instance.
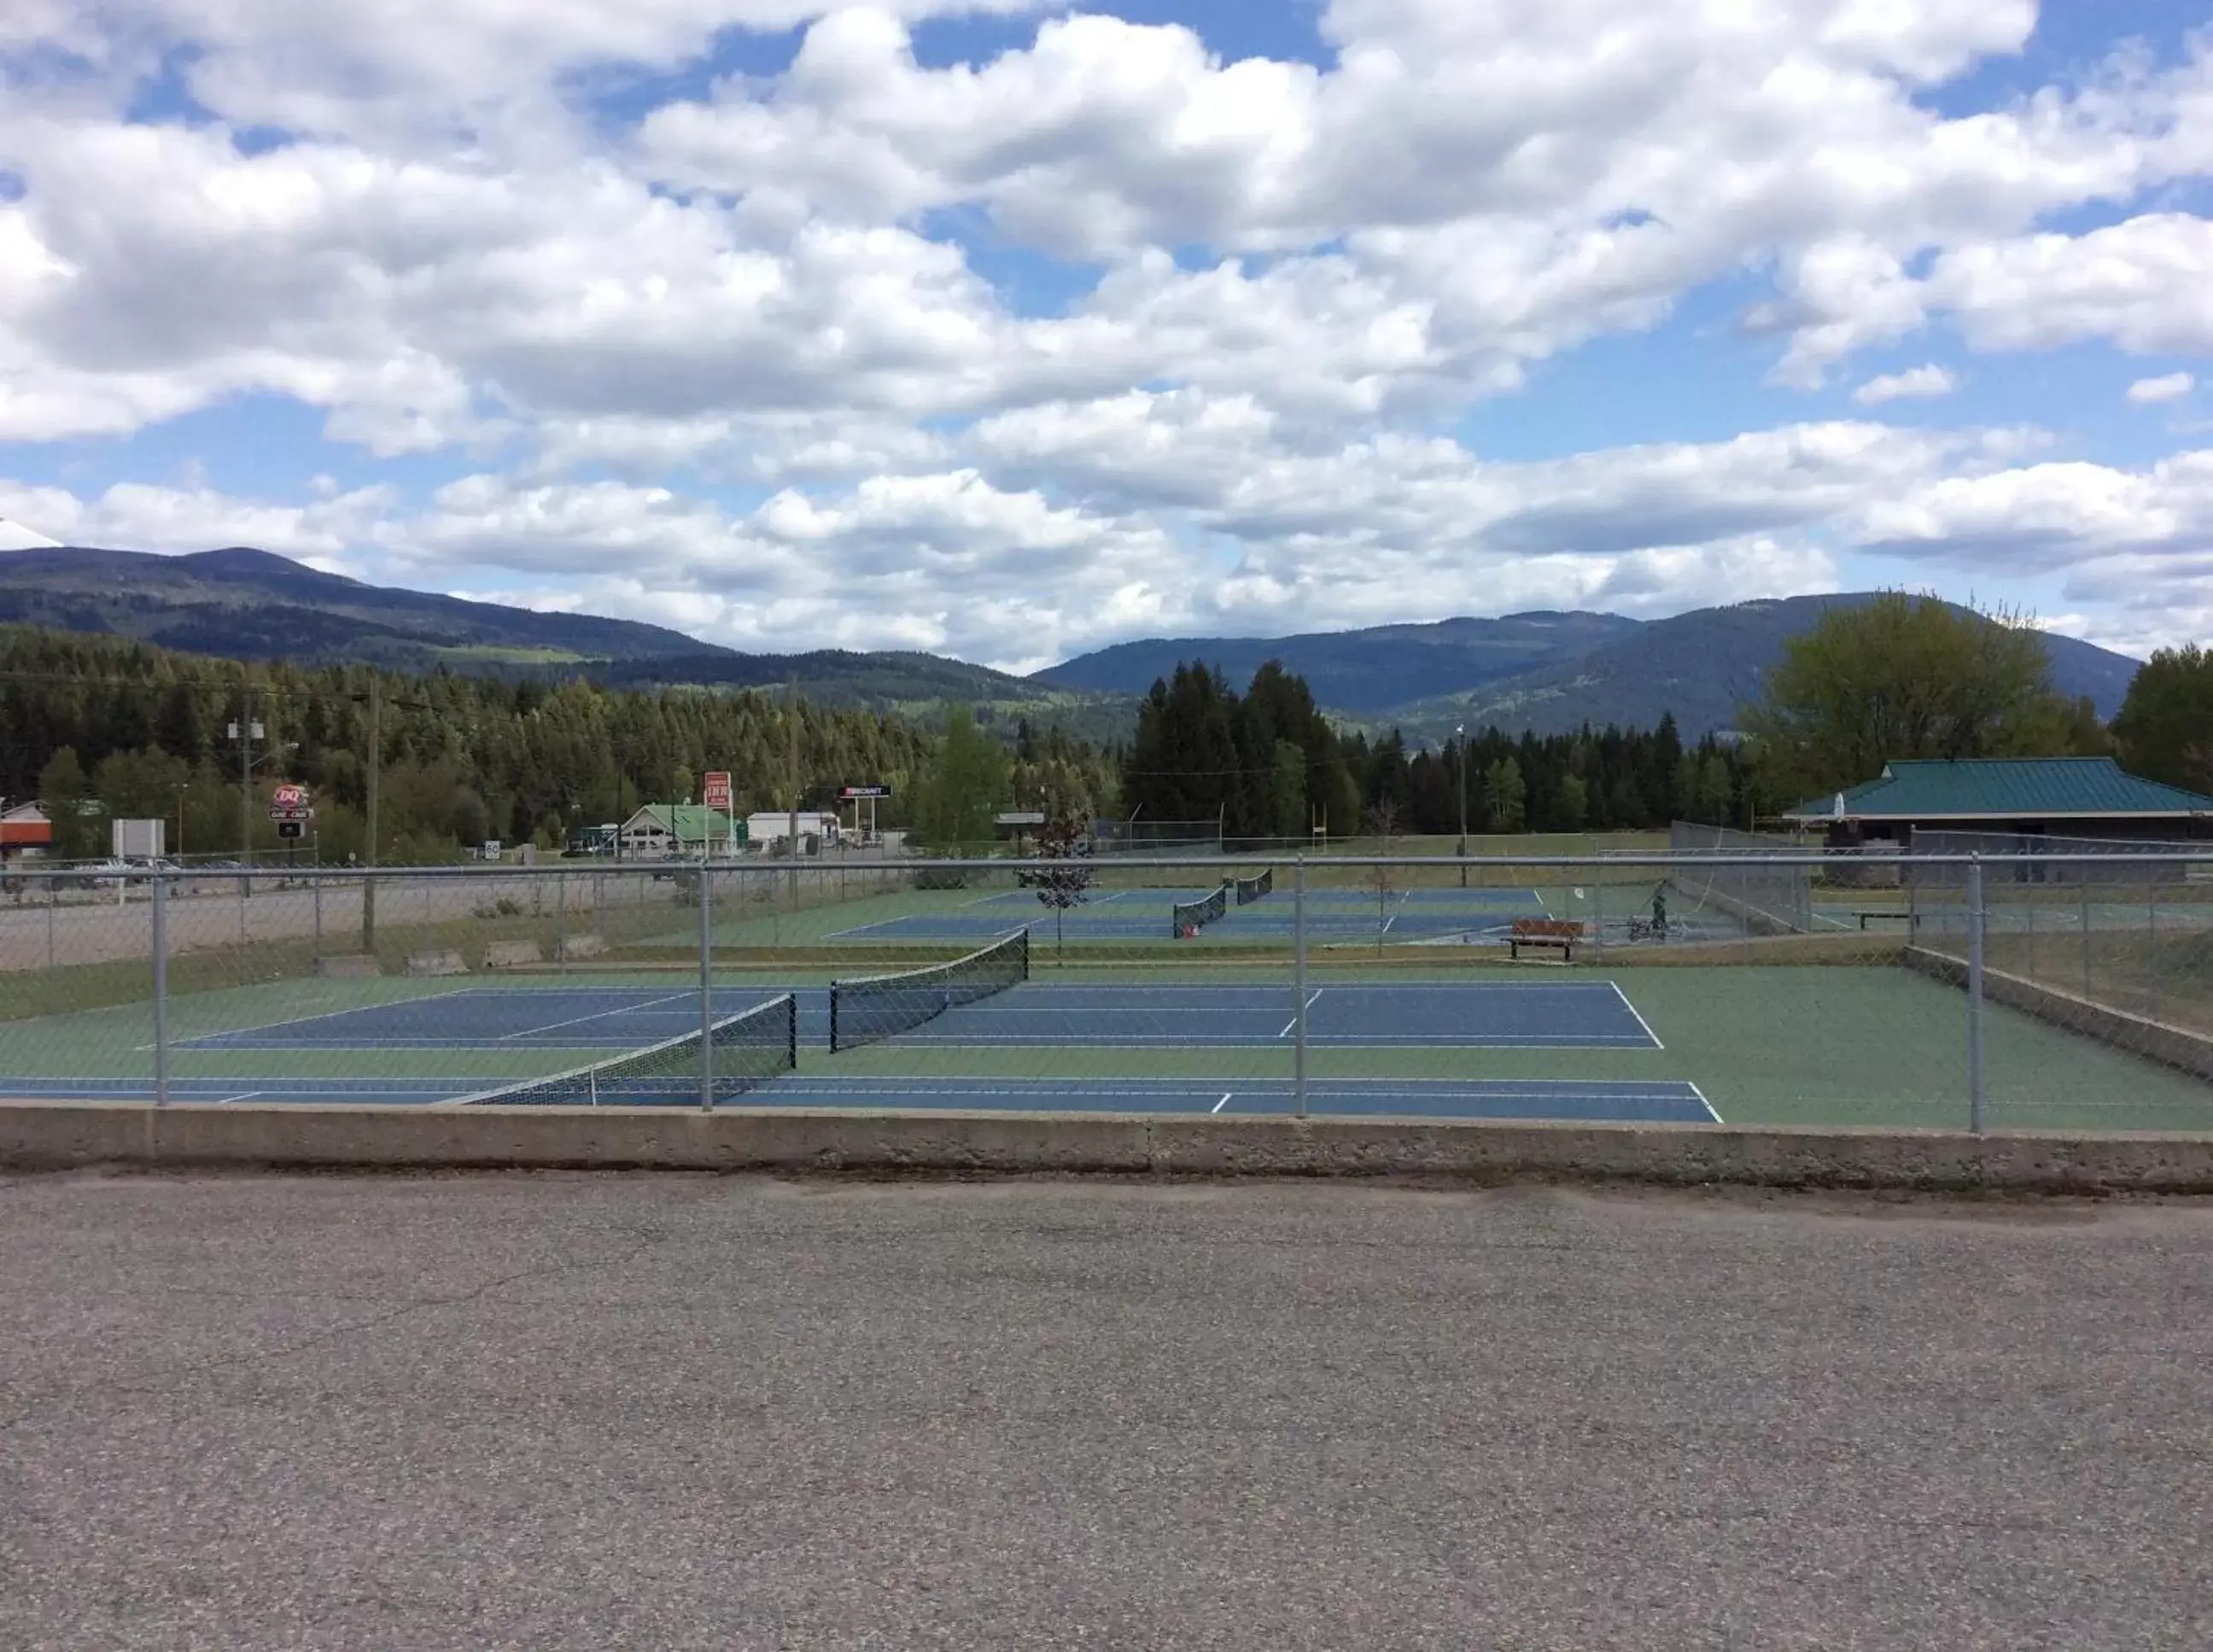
(1560, 932)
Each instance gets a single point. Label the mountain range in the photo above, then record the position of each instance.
(1546, 671)
(1703, 665)
(243, 604)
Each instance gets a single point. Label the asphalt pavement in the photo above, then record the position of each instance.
(590, 1412)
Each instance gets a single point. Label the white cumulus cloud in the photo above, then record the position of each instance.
(2167, 387)
(1916, 383)
(1091, 331)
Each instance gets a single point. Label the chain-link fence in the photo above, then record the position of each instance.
(1755, 981)
(1762, 882)
(2111, 940)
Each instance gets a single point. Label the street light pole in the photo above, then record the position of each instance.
(1460, 735)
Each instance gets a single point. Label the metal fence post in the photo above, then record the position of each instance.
(160, 928)
(2085, 874)
(2151, 942)
(315, 882)
(1977, 923)
(1299, 986)
(706, 991)
(53, 899)
(560, 923)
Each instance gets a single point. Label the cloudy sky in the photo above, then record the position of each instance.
(1007, 329)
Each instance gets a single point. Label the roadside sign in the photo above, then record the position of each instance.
(289, 796)
(291, 828)
(717, 793)
(850, 792)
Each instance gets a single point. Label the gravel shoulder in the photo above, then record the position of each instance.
(554, 1412)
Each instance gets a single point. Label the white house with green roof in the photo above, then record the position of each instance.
(2020, 798)
(683, 830)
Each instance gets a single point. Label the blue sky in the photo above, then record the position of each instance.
(1009, 331)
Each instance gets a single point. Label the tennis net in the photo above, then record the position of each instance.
(743, 1052)
(883, 1006)
(1188, 915)
(1251, 889)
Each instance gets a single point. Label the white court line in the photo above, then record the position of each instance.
(1290, 1025)
(1703, 1102)
(1222, 1103)
(597, 1014)
(243, 1095)
(1033, 1000)
(1632, 1009)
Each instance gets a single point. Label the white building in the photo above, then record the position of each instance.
(770, 827)
(660, 830)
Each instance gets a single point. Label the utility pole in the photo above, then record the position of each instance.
(1461, 734)
(246, 731)
(369, 855)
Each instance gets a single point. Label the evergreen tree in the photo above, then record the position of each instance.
(63, 793)
(964, 788)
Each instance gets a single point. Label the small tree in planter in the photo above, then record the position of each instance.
(1060, 887)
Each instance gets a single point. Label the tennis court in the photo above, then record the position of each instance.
(810, 1008)
(1488, 1014)
(634, 1046)
(1333, 916)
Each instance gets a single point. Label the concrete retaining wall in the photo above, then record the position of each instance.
(352, 965)
(435, 963)
(47, 1136)
(2175, 1047)
(582, 946)
(512, 955)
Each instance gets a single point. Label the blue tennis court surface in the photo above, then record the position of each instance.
(557, 1028)
(1568, 1015)
(1591, 1101)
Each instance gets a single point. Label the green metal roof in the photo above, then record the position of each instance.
(2009, 788)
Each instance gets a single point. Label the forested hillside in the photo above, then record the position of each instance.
(143, 731)
(1268, 765)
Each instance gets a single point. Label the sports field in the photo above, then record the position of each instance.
(1806, 1045)
(1402, 913)
(1164, 990)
